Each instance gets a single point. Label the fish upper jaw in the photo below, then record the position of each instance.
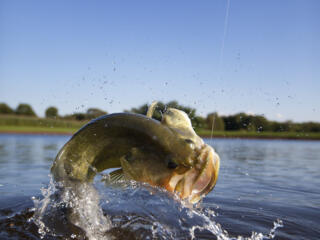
(195, 182)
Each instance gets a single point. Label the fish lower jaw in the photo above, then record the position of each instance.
(197, 181)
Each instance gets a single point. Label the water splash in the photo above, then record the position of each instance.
(125, 210)
(70, 210)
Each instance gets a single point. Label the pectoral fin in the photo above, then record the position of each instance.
(117, 176)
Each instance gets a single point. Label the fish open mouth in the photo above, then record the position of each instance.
(194, 183)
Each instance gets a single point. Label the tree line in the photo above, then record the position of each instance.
(24, 109)
(235, 122)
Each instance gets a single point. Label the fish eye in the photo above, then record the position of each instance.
(171, 164)
(128, 157)
(189, 141)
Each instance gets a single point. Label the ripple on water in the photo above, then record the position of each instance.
(136, 211)
(259, 182)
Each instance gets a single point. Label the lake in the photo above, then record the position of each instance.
(266, 189)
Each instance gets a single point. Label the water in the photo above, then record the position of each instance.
(262, 185)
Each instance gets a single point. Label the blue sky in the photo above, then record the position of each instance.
(115, 55)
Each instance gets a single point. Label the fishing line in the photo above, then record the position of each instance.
(213, 120)
(225, 28)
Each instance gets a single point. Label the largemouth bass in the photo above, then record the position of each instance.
(168, 154)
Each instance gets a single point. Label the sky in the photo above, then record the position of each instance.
(228, 56)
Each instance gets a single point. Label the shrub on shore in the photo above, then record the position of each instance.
(25, 110)
(5, 109)
(52, 112)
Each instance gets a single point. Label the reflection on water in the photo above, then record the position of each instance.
(26, 161)
(260, 181)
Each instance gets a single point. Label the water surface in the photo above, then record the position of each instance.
(260, 182)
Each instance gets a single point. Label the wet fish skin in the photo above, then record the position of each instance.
(101, 143)
(167, 154)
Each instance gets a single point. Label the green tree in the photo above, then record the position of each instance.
(281, 126)
(76, 116)
(260, 123)
(239, 121)
(218, 123)
(140, 110)
(199, 122)
(245, 121)
(25, 109)
(79, 116)
(52, 112)
(231, 122)
(309, 127)
(5, 109)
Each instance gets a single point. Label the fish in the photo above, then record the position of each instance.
(166, 154)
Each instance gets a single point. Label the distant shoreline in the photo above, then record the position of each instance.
(220, 135)
(263, 137)
(259, 135)
(28, 130)
(36, 133)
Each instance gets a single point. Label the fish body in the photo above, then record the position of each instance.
(167, 154)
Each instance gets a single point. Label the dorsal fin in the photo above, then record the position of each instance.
(152, 108)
